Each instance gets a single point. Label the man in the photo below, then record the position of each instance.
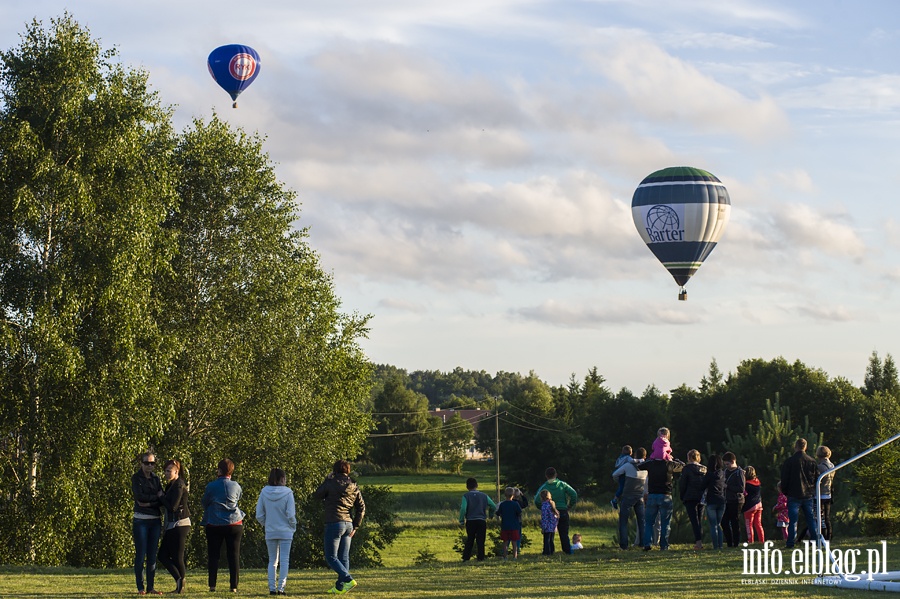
(564, 497)
(798, 482)
(659, 499)
(632, 497)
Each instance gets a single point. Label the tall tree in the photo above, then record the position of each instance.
(267, 370)
(84, 184)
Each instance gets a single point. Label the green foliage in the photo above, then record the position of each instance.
(767, 445)
(401, 434)
(154, 294)
(876, 474)
(425, 557)
(84, 185)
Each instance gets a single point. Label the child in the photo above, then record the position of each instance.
(753, 507)
(781, 512)
(520, 498)
(662, 450)
(510, 514)
(474, 512)
(549, 520)
(576, 542)
(623, 458)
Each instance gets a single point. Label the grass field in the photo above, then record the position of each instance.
(429, 508)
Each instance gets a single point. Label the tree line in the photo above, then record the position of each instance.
(756, 411)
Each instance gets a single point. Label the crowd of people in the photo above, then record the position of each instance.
(727, 496)
(223, 522)
(730, 496)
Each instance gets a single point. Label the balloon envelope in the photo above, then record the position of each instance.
(234, 67)
(680, 213)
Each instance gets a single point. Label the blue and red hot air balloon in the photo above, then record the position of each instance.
(234, 67)
(680, 213)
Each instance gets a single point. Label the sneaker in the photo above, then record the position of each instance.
(349, 585)
(334, 591)
(614, 502)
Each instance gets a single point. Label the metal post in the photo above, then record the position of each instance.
(497, 446)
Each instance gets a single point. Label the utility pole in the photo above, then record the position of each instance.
(497, 446)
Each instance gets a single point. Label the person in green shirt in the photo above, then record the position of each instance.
(565, 498)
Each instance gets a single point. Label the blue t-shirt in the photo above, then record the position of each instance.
(510, 512)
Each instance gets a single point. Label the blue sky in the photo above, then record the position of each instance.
(466, 169)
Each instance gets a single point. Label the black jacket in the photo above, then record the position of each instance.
(735, 482)
(659, 475)
(176, 501)
(691, 486)
(144, 490)
(714, 483)
(341, 495)
(798, 476)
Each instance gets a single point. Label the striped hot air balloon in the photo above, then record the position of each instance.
(680, 213)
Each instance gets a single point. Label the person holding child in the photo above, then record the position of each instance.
(624, 458)
(510, 514)
(632, 497)
(549, 521)
(474, 511)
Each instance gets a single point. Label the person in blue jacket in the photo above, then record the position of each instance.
(223, 521)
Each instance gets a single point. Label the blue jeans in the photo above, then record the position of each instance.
(279, 555)
(794, 506)
(626, 504)
(658, 504)
(714, 513)
(146, 541)
(337, 550)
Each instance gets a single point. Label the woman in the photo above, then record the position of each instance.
(823, 454)
(224, 522)
(341, 496)
(735, 485)
(145, 526)
(275, 510)
(691, 490)
(178, 524)
(714, 484)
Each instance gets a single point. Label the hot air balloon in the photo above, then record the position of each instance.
(680, 213)
(234, 67)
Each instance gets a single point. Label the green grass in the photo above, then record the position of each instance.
(429, 507)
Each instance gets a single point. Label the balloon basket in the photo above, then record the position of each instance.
(682, 295)
(234, 105)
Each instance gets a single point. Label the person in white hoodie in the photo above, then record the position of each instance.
(276, 511)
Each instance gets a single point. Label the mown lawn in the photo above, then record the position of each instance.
(429, 508)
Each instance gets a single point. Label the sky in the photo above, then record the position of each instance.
(465, 169)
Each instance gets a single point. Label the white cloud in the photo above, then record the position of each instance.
(826, 313)
(665, 88)
(805, 228)
(722, 41)
(874, 93)
(600, 314)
